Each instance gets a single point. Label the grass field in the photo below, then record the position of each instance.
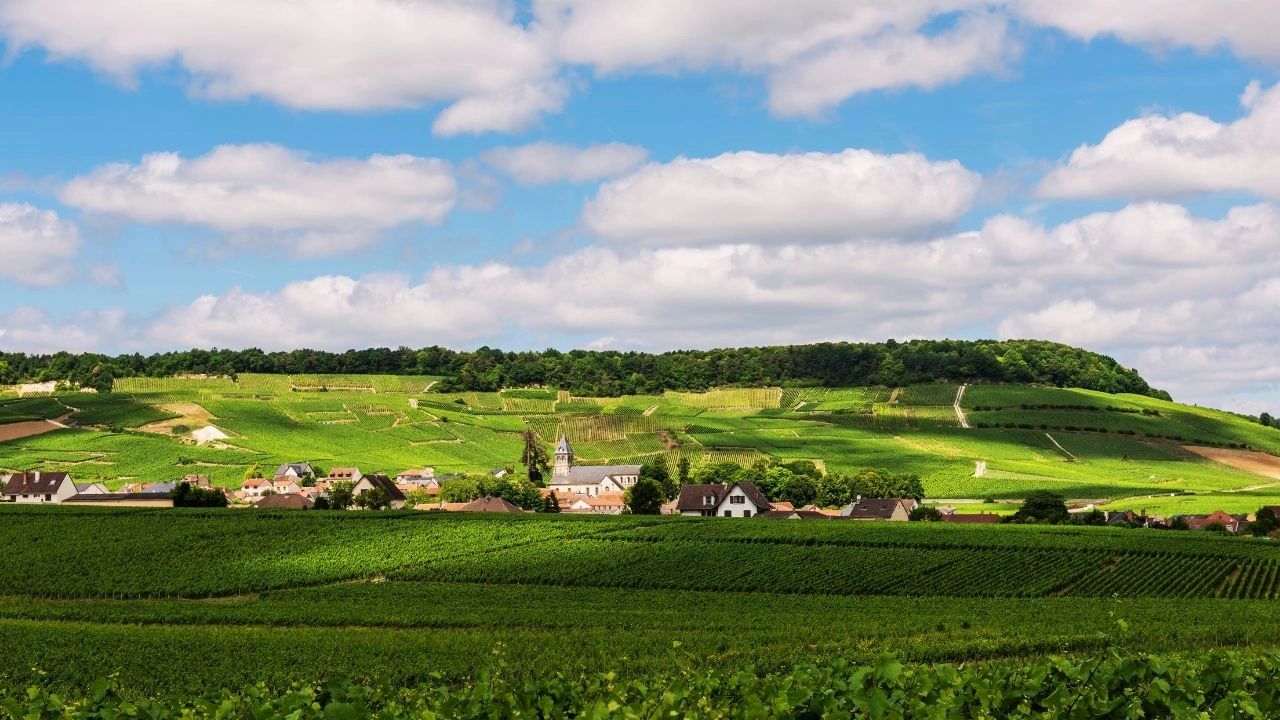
(1084, 444)
(185, 601)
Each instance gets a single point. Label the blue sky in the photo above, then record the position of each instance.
(596, 173)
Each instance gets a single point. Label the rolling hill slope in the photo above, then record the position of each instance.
(1082, 443)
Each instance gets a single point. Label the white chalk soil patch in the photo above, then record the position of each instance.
(979, 468)
(208, 434)
(1064, 450)
(964, 421)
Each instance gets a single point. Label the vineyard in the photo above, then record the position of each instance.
(183, 603)
(1082, 444)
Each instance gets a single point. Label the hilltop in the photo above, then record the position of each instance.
(991, 441)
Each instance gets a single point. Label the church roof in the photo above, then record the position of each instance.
(594, 474)
(563, 448)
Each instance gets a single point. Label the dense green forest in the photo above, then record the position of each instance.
(612, 373)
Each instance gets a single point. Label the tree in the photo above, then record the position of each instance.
(459, 490)
(658, 472)
(1216, 527)
(1266, 419)
(1180, 523)
(1093, 517)
(514, 490)
(1264, 523)
(322, 503)
(534, 457)
(551, 504)
(341, 494)
(375, 498)
(415, 497)
(925, 513)
(186, 495)
(1043, 506)
(253, 472)
(682, 471)
(645, 497)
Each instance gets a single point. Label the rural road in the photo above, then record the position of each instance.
(1064, 450)
(964, 421)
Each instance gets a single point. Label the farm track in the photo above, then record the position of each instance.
(964, 422)
(1064, 450)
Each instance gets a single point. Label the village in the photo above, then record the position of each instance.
(572, 489)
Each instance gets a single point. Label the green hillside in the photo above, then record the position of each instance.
(1082, 443)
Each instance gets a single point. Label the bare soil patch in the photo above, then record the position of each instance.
(20, 430)
(1248, 460)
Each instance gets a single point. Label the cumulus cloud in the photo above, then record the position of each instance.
(814, 53)
(36, 246)
(781, 199)
(1158, 287)
(543, 163)
(313, 54)
(266, 193)
(1245, 26)
(1158, 156)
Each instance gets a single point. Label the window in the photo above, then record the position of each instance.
(728, 513)
(708, 499)
(746, 513)
(48, 497)
(737, 499)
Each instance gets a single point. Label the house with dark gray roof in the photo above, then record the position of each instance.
(378, 480)
(742, 499)
(296, 470)
(895, 509)
(38, 487)
(589, 480)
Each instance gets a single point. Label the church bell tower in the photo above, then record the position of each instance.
(564, 458)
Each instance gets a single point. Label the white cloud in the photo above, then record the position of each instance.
(1151, 284)
(1157, 156)
(36, 246)
(31, 330)
(543, 163)
(780, 199)
(825, 78)
(814, 53)
(266, 193)
(314, 54)
(1245, 26)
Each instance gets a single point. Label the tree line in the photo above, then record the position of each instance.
(613, 373)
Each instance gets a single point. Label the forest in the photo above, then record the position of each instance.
(613, 373)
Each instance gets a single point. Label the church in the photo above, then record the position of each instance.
(589, 480)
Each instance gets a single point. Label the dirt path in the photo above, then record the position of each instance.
(893, 396)
(1247, 460)
(1064, 450)
(964, 421)
(979, 468)
(650, 410)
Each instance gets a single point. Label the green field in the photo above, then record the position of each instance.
(1083, 444)
(178, 602)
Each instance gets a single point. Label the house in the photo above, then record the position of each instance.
(91, 489)
(892, 509)
(160, 488)
(824, 511)
(610, 503)
(1126, 517)
(38, 487)
(1233, 523)
(741, 499)
(369, 482)
(794, 515)
(196, 480)
(349, 474)
(123, 499)
(298, 470)
(285, 502)
(255, 487)
(425, 476)
(286, 485)
(983, 518)
(491, 504)
(781, 505)
(589, 480)
(500, 472)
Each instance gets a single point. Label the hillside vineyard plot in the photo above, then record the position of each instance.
(1080, 443)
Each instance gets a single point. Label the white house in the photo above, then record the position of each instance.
(589, 480)
(297, 470)
(254, 487)
(350, 474)
(742, 499)
(369, 482)
(39, 487)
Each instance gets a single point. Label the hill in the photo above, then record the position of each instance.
(184, 601)
(1136, 450)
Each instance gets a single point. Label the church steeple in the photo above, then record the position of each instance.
(564, 458)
